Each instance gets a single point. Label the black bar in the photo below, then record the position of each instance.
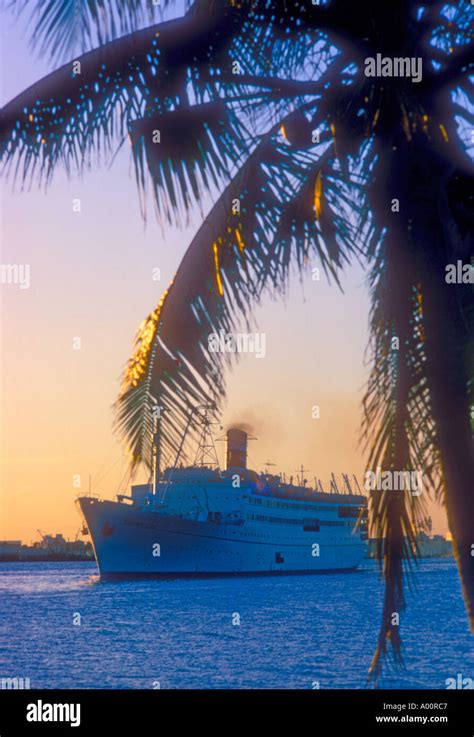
(154, 712)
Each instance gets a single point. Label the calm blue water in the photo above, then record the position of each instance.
(293, 630)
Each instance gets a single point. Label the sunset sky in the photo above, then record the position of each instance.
(92, 278)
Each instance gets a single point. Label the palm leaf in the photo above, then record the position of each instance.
(83, 107)
(234, 257)
(62, 28)
(399, 428)
(182, 166)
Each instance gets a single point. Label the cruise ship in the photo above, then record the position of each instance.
(200, 520)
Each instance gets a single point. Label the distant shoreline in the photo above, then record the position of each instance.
(91, 559)
(45, 558)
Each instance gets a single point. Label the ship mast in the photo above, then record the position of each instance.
(203, 444)
(206, 454)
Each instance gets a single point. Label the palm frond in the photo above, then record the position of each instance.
(81, 106)
(63, 28)
(182, 166)
(125, 87)
(265, 220)
(399, 430)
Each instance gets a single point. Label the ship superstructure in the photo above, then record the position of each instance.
(200, 520)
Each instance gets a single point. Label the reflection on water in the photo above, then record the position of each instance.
(40, 578)
(63, 628)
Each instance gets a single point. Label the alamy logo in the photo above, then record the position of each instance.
(459, 682)
(411, 481)
(15, 274)
(14, 683)
(459, 273)
(223, 342)
(400, 66)
(44, 712)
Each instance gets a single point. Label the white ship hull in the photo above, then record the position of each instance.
(131, 541)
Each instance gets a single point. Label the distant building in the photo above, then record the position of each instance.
(434, 546)
(429, 546)
(50, 547)
(10, 547)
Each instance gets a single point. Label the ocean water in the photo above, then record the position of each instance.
(294, 630)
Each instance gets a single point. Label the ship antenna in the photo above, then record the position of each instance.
(357, 484)
(347, 483)
(302, 470)
(156, 446)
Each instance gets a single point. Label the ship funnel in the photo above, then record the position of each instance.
(236, 455)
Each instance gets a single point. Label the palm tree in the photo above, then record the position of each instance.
(268, 103)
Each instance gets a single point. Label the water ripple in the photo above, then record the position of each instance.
(294, 631)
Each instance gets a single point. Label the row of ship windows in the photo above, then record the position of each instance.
(276, 520)
(290, 538)
(285, 505)
(290, 521)
(277, 541)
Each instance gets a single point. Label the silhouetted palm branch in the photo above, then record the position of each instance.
(61, 28)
